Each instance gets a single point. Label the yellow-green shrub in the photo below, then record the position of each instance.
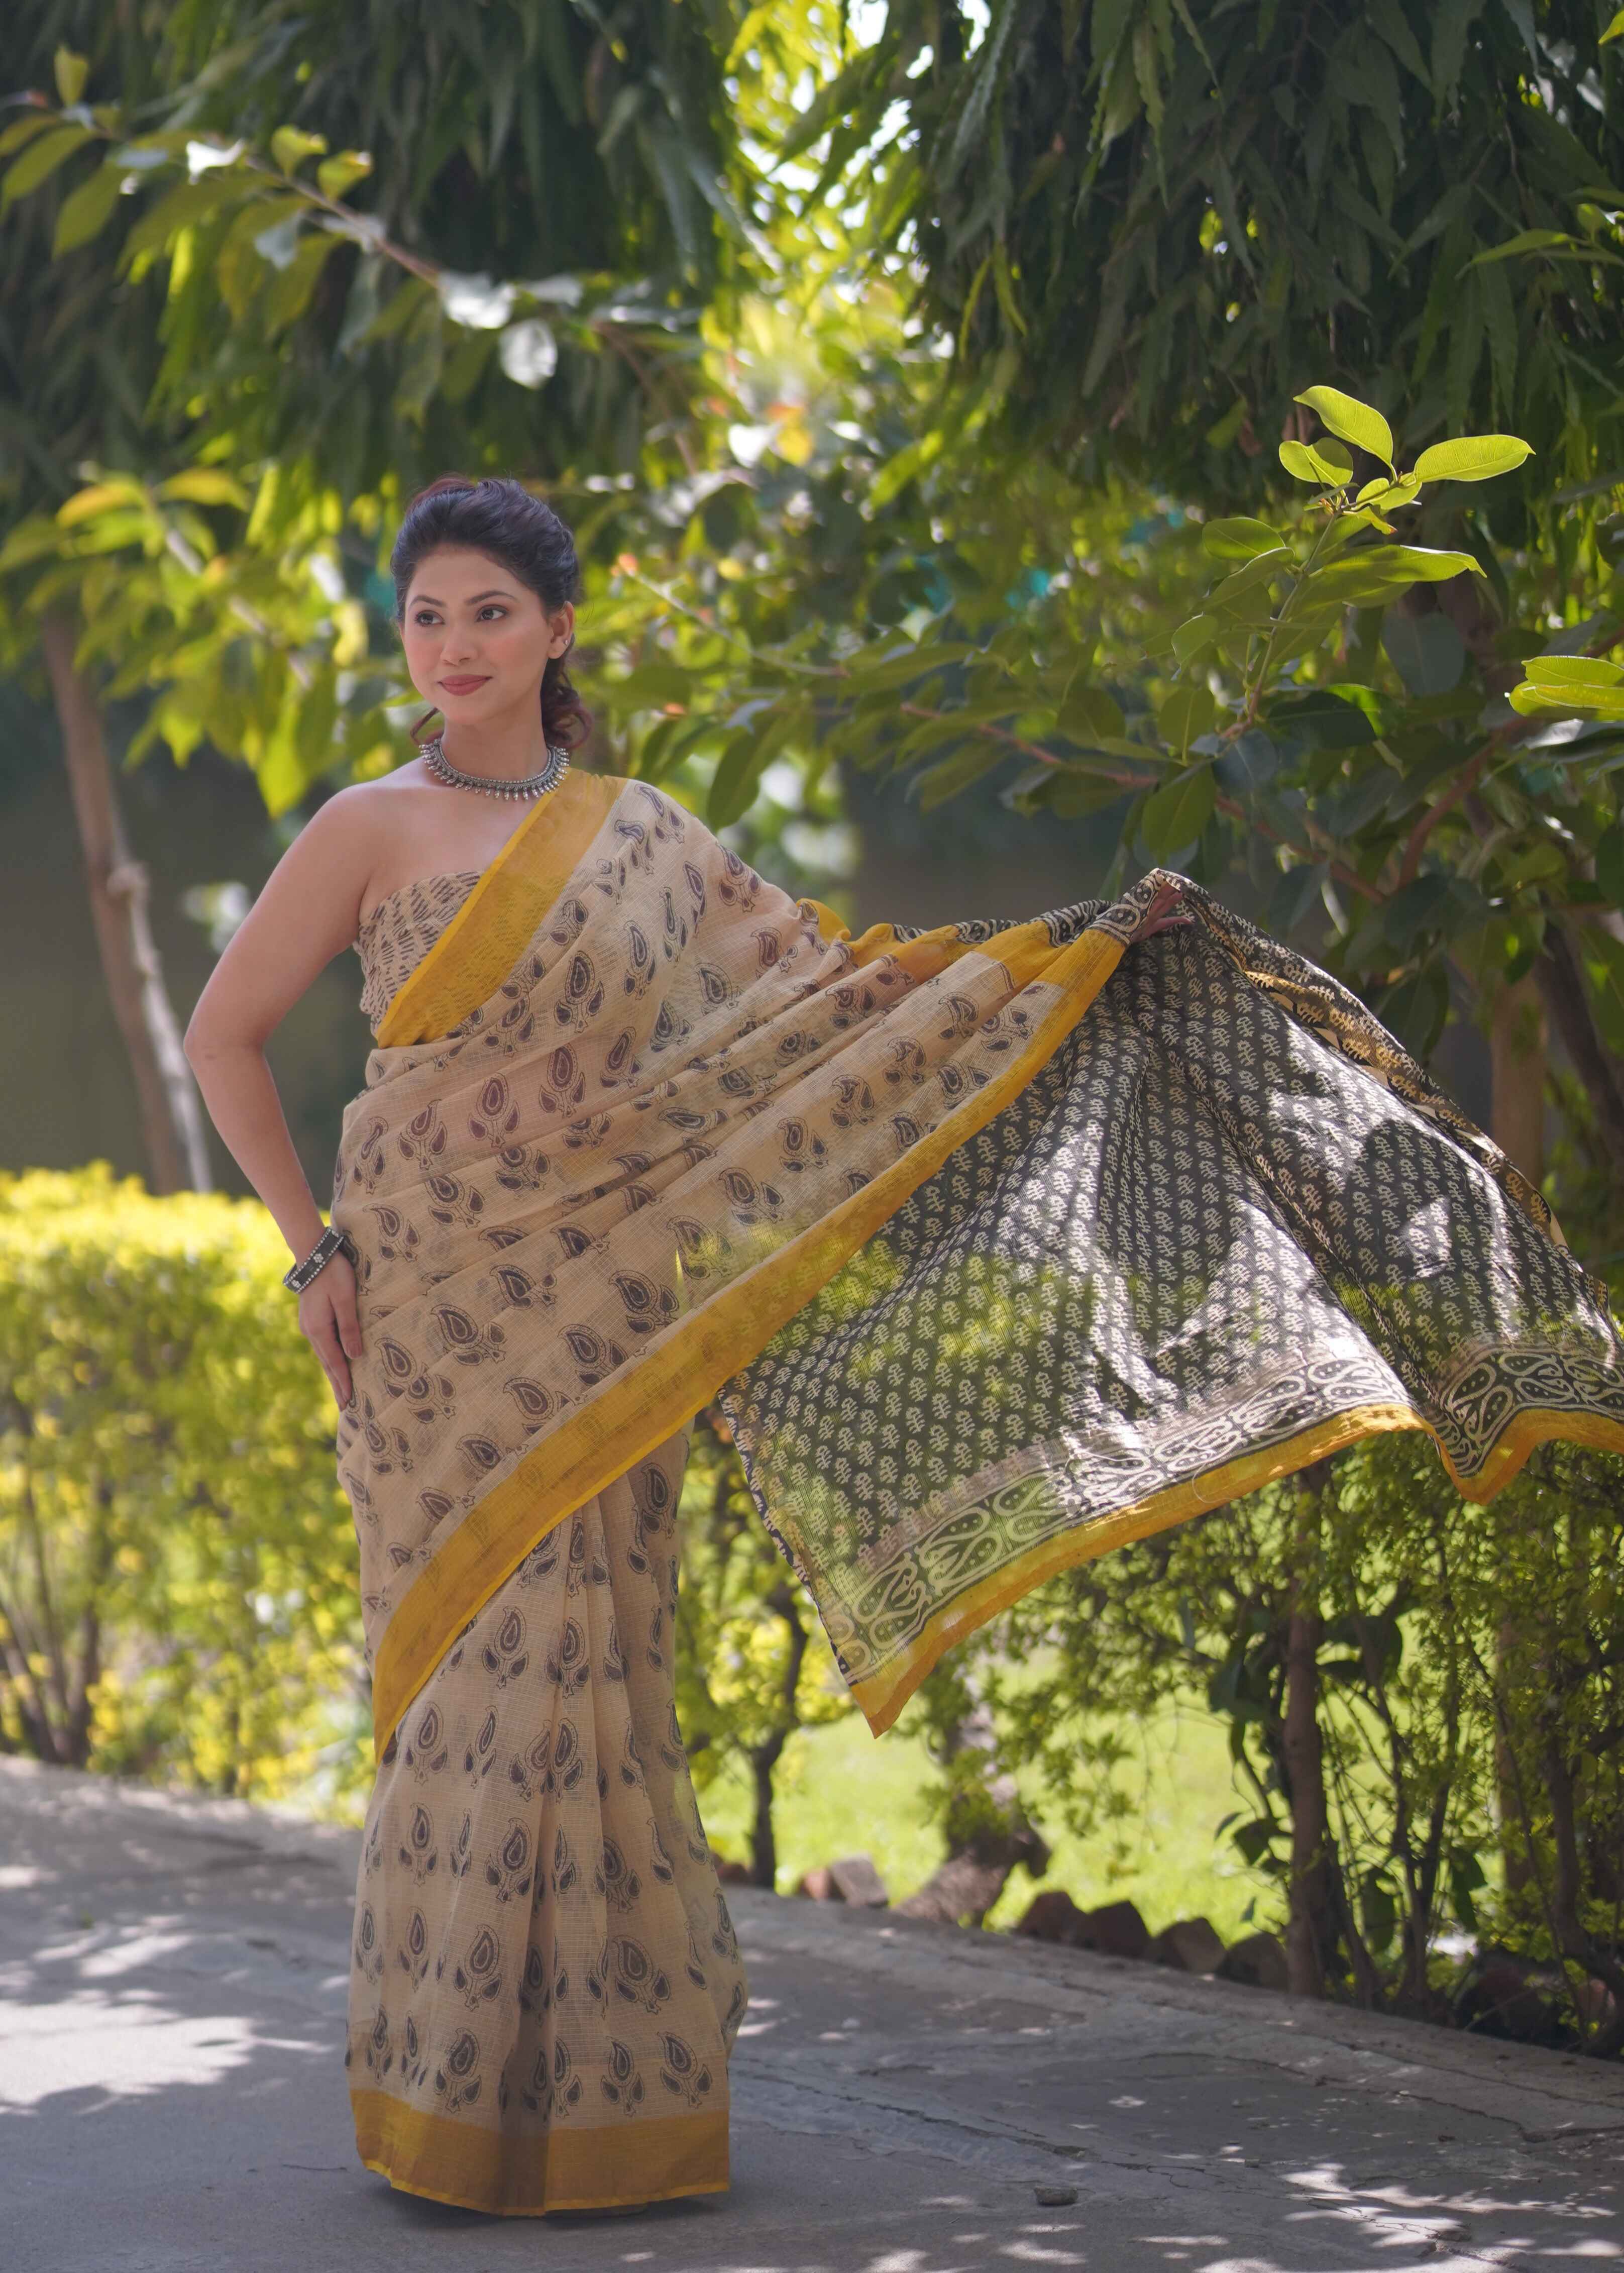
(177, 1561)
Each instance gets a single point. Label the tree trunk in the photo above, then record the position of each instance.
(1518, 1073)
(1561, 983)
(763, 1839)
(987, 1830)
(171, 1117)
(1311, 1932)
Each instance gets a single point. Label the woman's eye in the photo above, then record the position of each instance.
(424, 617)
(493, 610)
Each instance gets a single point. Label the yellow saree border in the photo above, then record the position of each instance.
(482, 943)
(636, 2160)
(884, 1694)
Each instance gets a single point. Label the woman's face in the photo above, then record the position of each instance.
(477, 639)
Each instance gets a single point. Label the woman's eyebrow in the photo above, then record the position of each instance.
(497, 592)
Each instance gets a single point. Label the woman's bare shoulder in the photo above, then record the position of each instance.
(323, 877)
(356, 828)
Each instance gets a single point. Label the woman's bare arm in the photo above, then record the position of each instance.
(306, 914)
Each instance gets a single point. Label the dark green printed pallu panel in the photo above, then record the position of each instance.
(1230, 1226)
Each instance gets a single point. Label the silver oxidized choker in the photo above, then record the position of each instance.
(536, 784)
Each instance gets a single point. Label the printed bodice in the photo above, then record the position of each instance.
(400, 931)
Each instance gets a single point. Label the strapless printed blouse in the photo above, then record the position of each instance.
(400, 931)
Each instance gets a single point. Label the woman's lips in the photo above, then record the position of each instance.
(462, 685)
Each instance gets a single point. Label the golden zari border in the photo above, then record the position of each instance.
(637, 2160)
(638, 1410)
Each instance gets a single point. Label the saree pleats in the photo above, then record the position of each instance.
(545, 1981)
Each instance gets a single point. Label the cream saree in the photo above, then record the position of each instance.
(1000, 1243)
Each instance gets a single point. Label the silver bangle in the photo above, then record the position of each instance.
(333, 1242)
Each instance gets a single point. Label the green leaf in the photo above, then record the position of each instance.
(1580, 671)
(24, 130)
(1193, 638)
(71, 72)
(1376, 567)
(1354, 421)
(1187, 713)
(1239, 538)
(1250, 762)
(1176, 814)
(1427, 652)
(1324, 463)
(39, 160)
(733, 784)
(1451, 21)
(102, 497)
(1615, 31)
(1415, 908)
(86, 211)
(1528, 240)
(960, 772)
(1250, 577)
(291, 146)
(1383, 496)
(1295, 891)
(873, 668)
(1222, 431)
(1472, 458)
(204, 486)
(338, 174)
(1570, 683)
(1326, 720)
(1090, 713)
(1529, 700)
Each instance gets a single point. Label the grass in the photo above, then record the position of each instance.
(841, 1791)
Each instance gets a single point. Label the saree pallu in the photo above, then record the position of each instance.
(1000, 1243)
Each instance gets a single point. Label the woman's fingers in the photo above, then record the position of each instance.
(344, 1312)
(321, 1330)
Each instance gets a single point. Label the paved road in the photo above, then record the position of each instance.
(172, 1983)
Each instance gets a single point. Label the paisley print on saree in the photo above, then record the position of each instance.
(1000, 1243)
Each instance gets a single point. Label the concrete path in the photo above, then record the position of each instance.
(172, 1983)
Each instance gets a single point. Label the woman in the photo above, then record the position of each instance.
(1000, 1243)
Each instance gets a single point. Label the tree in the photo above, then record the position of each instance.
(752, 1665)
(1136, 219)
(1135, 222)
(598, 131)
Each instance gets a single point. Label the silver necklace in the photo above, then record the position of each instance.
(536, 784)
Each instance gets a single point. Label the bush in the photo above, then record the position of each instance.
(1425, 1707)
(176, 1560)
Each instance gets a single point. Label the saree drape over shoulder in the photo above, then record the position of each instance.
(1000, 1243)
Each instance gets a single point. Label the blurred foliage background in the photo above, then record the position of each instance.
(923, 380)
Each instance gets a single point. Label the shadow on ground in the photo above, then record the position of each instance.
(173, 1976)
